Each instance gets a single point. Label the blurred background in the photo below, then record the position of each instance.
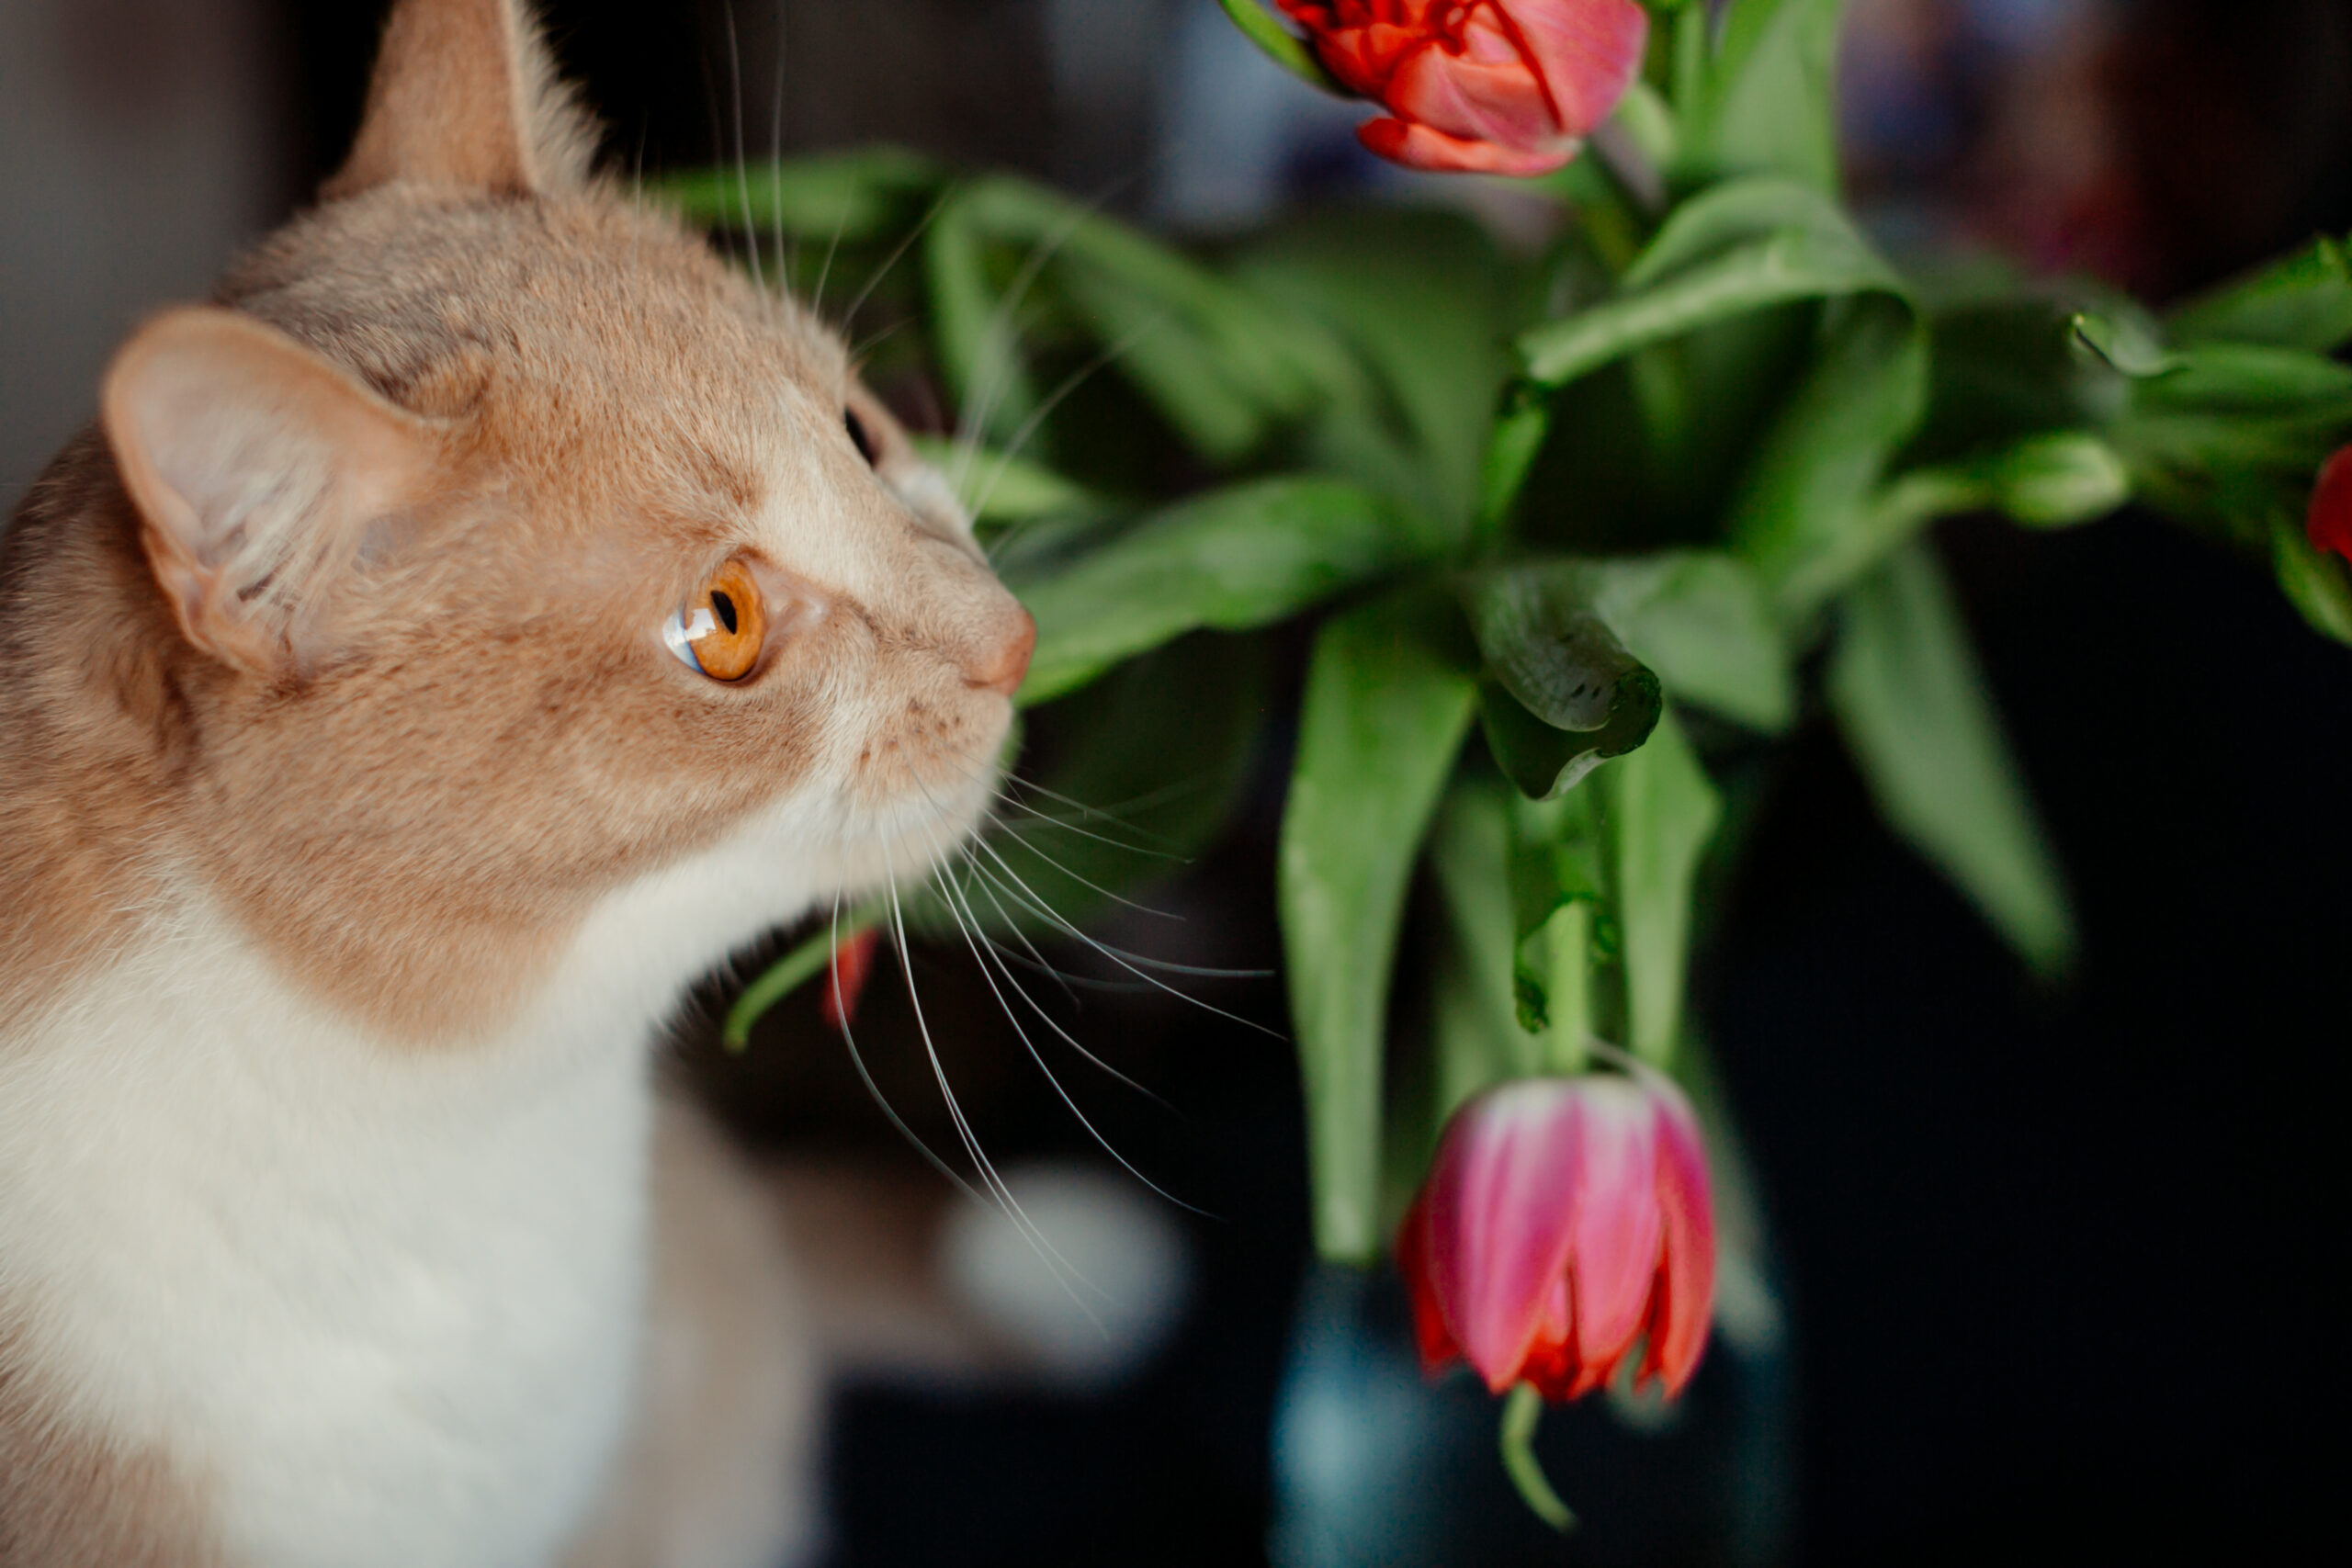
(2045, 1271)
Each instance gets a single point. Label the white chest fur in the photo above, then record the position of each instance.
(381, 1304)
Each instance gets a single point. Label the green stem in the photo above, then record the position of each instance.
(1523, 1408)
(1567, 1042)
(1282, 45)
(787, 975)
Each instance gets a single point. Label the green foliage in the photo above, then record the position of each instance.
(1913, 707)
(1383, 712)
(1610, 501)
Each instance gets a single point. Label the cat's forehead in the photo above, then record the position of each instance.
(582, 333)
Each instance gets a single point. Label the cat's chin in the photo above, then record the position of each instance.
(901, 844)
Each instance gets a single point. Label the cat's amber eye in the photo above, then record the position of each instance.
(721, 630)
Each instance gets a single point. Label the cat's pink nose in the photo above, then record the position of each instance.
(1002, 670)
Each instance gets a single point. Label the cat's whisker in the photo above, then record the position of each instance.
(1092, 887)
(1131, 962)
(873, 1089)
(868, 345)
(1065, 825)
(849, 317)
(1003, 956)
(1037, 417)
(989, 1175)
(776, 163)
(981, 957)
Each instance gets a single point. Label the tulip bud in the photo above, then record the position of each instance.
(853, 962)
(1564, 1219)
(2330, 519)
(1495, 86)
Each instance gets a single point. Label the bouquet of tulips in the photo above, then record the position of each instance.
(1581, 528)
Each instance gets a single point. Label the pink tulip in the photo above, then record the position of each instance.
(2330, 523)
(1562, 1220)
(1497, 87)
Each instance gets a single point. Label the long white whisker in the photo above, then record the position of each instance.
(1044, 411)
(891, 260)
(1115, 956)
(873, 1089)
(1050, 1023)
(980, 957)
(988, 1175)
(742, 173)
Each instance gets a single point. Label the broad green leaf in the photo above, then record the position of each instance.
(999, 488)
(2317, 586)
(1221, 365)
(2304, 302)
(1232, 560)
(1661, 811)
(1911, 704)
(1561, 695)
(1765, 97)
(1724, 217)
(972, 329)
(1808, 489)
(1385, 710)
(1791, 264)
(1703, 622)
(1424, 304)
(861, 197)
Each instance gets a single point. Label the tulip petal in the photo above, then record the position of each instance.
(1418, 147)
(1686, 1282)
(1588, 54)
(1474, 101)
(1613, 1260)
(1498, 1220)
(1430, 1336)
(2330, 521)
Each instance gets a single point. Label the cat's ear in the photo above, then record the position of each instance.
(262, 474)
(465, 94)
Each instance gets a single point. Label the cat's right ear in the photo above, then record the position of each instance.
(465, 94)
(260, 472)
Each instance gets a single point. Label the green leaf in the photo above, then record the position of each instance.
(1765, 97)
(1661, 812)
(1913, 707)
(1280, 45)
(791, 972)
(1220, 365)
(1791, 264)
(1422, 302)
(2304, 302)
(1000, 489)
(862, 197)
(1809, 486)
(1701, 621)
(972, 329)
(1561, 695)
(2317, 586)
(1385, 707)
(1232, 558)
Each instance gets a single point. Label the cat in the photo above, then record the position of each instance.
(446, 645)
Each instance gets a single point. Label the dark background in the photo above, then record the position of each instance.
(2057, 1262)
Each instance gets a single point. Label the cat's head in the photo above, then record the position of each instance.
(519, 547)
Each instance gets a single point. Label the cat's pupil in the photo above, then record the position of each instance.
(726, 608)
(858, 438)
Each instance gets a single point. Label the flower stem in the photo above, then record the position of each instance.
(1280, 45)
(1568, 1038)
(1523, 1408)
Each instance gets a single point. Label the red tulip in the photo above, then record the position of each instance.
(1562, 1219)
(853, 962)
(1499, 86)
(2330, 523)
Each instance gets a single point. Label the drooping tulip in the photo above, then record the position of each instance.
(1495, 86)
(2329, 523)
(1563, 1220)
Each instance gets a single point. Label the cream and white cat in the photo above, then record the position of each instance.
(447, 645)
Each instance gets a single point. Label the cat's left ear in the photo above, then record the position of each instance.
(465, 94)
(262, 475)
